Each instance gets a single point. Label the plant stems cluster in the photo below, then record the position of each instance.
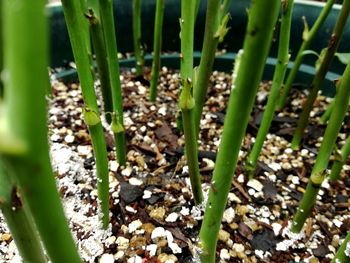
(321, 73)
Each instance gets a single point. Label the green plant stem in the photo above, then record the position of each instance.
(196, 9)
(340, 161)
(262, 18)
(19, 221)
(342, 256)
(102, 65)
(157, 44)
(106, 15)
(136, 28)
(215, 28)
(225, 7)
(24, 142)
(325, 116)
(280, 70)
(186, 102)
(307, 40)
(1, 52)
(75, 21)
(321, 73)
(329, 139)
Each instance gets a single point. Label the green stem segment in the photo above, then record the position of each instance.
(318, 171)
(343, 253)
(19, 221)
(157, 43)
(215, 30)
(325, 116)
(340, 160)
(136, 27)
(75, 20)
(23, 131)
(107, 19)
(186, 101)
(307, 40)
(321, 73)
(262, 18)
(102, 65)
(1, 52)
(281, 67)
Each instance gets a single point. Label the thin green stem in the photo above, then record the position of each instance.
(325, 116)
(340, 160)
(262, 18)
(307, 40)
(280, 70)
(157, 46)
(136, 28)
(329, 139)
(75, 21)
(215, 30)
(107, 19)
(1, 51)
(186, 102)
(19, 221)
(343, 253)
(102, 65)
(225, 7)
(321, 73)
(24, 135)
(196, 9)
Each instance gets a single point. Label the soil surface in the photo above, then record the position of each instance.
(153, 217)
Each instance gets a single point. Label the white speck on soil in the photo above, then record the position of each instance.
(255, 184)
(172, 217)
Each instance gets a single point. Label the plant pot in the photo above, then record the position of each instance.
(61, 54)
(61, 51)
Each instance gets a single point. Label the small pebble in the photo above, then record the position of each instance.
(152, 249)
(224, 254)
(135, 181)
(107, 258)
(147, 194)
(134, 225)
(158, 213)
(223, 235)
(255, 184)
(229, 215)
(127, 171)
(171, 217)
(69, 138)
(157, 233)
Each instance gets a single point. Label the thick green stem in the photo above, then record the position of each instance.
(215, 30)
(102, 65)
(340, 160)
(321, 73)
(157, 44)
(136, 28)
(75, 21)
(107, 19)
(343, 253)
(186, 102)
(262, 18)
(329, 139)
(281, 67)
(24, 127)
(19, 221)
(307, 40)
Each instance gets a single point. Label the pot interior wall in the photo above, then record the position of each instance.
(61, 51)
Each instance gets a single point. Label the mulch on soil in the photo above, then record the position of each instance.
(153, 217)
